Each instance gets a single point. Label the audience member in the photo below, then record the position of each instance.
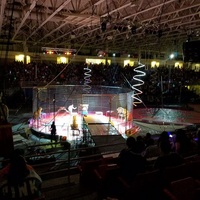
(198, 138)
(22, 74)
(18, 180)
(140, 144)
(165, 138)
(167, 157)
(183, 143)
(152, 152)
(149, 140)
(130, 162)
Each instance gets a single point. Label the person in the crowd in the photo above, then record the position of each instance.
(19, 180)
(183, 143)
(4, 111)
(140, 144)
(20, 73)
(168, 158)
(130, 162)
(149, 140)
(165, 138)
(152, 152)
(198, 138)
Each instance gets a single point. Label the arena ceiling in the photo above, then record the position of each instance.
(110, 25)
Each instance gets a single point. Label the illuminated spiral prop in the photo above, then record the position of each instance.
(137, 92)
(87, 80)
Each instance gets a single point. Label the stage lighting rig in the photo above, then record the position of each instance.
(51, 50)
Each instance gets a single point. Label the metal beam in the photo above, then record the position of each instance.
(52, 15)
(148, 9)
(3, 5)
(85, 25)
(32, 6)
(117, 9)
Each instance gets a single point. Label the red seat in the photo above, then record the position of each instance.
(146, 186)
(106, 180)
(86, 170)
(175, 173)
(194, 169)
(183, 189)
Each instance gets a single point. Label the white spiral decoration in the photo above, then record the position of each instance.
(137, 92)
(87, 80)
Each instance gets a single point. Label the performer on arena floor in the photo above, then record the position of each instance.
(71, 108)
(53, 132)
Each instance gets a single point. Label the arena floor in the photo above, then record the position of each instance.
(153, 120)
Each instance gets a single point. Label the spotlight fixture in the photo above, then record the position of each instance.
(171, 56)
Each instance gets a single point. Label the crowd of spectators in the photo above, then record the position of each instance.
(161, 85)
(172, 150)
(167, 84)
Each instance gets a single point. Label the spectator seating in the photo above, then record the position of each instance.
(194, 169)
(106, 180)
(146, 186)
(175, 173)
(183, 189)
(87, 168)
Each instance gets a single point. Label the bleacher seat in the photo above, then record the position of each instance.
(183, 189)
(146, 186)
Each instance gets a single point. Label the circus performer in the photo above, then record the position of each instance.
(53, 132)
(71, 108)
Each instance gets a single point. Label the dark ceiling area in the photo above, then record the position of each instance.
(89, 25)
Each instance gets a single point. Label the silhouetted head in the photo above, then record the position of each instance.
(165, 147)
(148, 135)
(18, 169)
(164, 136)
(130, 142)
(181, 135)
